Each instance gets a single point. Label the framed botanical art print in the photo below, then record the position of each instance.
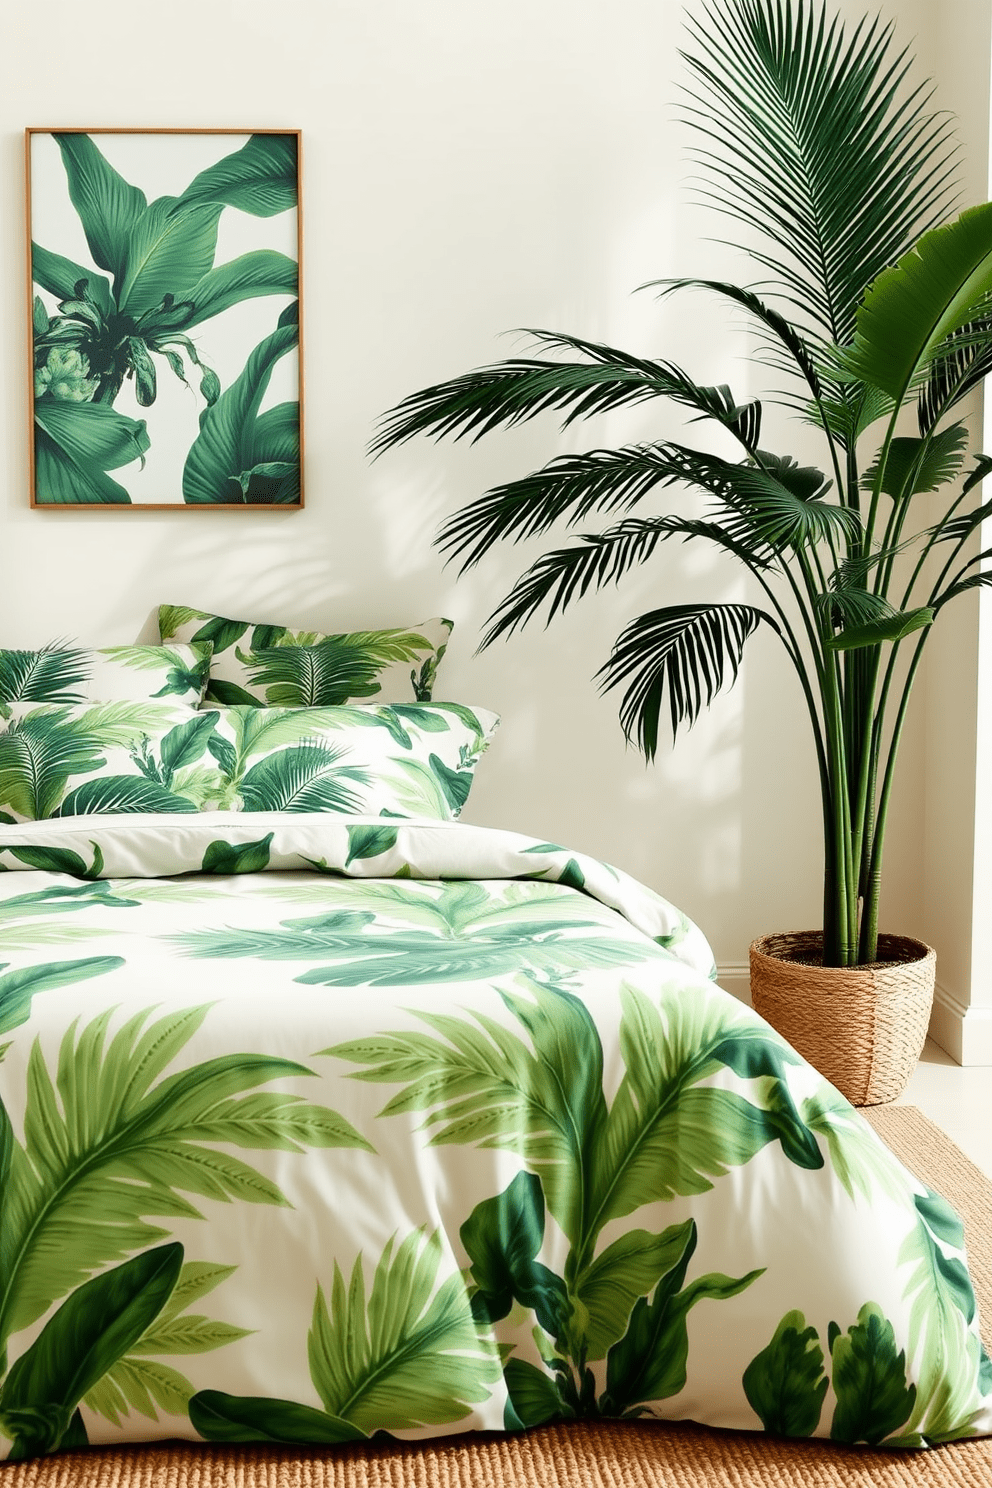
(165, 318)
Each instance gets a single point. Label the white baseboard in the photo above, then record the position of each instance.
(735, 977)
(963, 1032)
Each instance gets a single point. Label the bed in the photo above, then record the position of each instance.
(328, 1121)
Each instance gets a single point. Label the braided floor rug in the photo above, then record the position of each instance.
(592, 1454)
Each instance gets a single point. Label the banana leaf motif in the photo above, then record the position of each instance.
(666, 1133)
(408, 1355)
(159, 283)
(112, 1139)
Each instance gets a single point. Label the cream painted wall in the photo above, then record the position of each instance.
(467, 168)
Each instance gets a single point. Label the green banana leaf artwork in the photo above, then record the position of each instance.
(165, 324)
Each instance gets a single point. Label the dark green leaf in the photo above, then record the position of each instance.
(869, 1380)
(92, 1329)
(910, 309)
(187, 743)
(456, 784)
(534, 1395)
(143, 370)
(369, 842)
(894, 627)
(785, 1383)
(222, 448)
(262, 272)
(814, 136)
(684, 650)
(921, 464)
(246, 1418)
(122, 793)
(260, 177)
(62, 278)
(18, 987)
(502, 1237)
(108, 206)
(237, 857)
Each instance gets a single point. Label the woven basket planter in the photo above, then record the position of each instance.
(862, 1027)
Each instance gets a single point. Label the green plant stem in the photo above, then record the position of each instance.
(868, 940)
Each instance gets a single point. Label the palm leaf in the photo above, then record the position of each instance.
(38, 754)
(114, 1139)
(53, 674)
(120, 794)
(959, 365)
(482, 1084)
(308, 777)
(519, 389)
(321, 676)
(408, 1356)
(817, 139)
(684, 650)
(924, 464)
(785, 334)
(776, 502)
(602, 558)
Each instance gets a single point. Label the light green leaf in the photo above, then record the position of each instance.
(115, 1138)
(407, 1357)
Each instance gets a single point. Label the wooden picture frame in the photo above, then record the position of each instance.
(164, 319)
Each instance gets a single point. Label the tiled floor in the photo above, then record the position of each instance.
(957, 1100)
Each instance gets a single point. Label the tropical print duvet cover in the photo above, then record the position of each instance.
(317, 1128)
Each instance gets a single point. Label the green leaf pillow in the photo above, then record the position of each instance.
(271, 666)
(410, 759)
(103, 757)
(62, 672)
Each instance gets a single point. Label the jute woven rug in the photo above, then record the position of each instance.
(593, 1455)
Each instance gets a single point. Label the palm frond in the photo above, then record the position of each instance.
(113, 1139)
(306, 777)
(960, 365)
(819, 141)
(518, 389)
(687, 651)
(923, 464)
(408, 1355)
(53, 674)
(777, 501)
(602, 558)
(784, 333)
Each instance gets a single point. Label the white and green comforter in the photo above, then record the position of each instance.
(432, 1129)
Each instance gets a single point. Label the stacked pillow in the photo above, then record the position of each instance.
(232, 715)
(270, 665)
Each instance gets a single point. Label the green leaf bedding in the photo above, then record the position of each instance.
(319, 1127)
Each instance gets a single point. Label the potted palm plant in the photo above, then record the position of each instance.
(875, 308)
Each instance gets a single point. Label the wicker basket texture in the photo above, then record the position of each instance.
(862, 1027)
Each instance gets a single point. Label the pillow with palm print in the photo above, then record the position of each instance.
(108, 757)
(271, 666)
(408, 759)
(62, 672)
